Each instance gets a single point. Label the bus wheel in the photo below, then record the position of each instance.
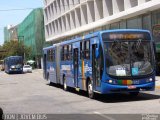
(134, 94)
(49, 82)
(91, 94)
(64, 84)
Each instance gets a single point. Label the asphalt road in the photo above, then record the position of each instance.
(30, 94)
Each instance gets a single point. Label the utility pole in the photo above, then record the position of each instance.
(21, 38)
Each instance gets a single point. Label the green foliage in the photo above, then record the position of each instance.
(1, 53)
(14, 48)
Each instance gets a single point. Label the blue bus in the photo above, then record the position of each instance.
(110, 61)
(13, 64)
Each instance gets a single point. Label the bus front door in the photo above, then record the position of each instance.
(95, 68)
(75, 64)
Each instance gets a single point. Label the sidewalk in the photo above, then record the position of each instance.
(158, 82)
(38, 70)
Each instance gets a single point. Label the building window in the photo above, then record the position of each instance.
(115, 25)
(107, 27)
(134, 23)
(148, 0)
(156, 17)
(146, 24)
(123, 24)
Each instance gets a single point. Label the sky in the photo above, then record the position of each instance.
(8, 16)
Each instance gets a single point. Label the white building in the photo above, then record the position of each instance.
(65, 19)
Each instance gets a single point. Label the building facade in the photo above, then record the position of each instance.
(31, 32)
(65, 19)
(10, 33)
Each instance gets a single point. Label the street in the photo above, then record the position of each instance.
(29, 93)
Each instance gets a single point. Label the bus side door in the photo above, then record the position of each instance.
(96, 70)
(75, 65)
(45, 65)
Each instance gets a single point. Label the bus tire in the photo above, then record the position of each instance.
(134, 94)
(64, 84)
(91, 93)
(49, 82)
(47, 76)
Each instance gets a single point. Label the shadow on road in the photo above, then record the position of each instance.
(116, 98)
(113, 98)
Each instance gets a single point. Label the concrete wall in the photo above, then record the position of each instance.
(70, 17)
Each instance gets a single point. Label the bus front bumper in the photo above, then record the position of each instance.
(15, 70)
(109, 88)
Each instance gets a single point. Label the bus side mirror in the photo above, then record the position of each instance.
(97, 53)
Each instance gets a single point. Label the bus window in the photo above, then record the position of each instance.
(70, 52)
(81, 50)
(62, 54)
(87, 49)
(65, 53)
(50, 55)
(53, 55)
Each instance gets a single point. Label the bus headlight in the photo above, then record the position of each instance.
(149, 80)
(13, 66)
(112, 81)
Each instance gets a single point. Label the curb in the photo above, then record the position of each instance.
(157, 87)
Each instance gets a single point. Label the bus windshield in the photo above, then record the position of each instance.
(15, 61)
(128, 58)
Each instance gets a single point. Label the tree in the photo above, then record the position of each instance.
(14, 48)
(2, 53)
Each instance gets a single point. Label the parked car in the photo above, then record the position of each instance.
(27, 68)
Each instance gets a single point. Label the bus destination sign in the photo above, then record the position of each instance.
(126, 36)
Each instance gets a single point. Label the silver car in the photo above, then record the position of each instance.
(27, 68)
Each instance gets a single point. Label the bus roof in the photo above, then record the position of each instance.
(14, 57)
(94, 34)
(123, 30)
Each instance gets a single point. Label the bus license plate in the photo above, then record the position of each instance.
(132, 87)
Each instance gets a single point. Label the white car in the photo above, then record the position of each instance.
(27, 68)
